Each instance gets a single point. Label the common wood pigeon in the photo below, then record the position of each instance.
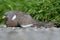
(21, 19)
(18, 18)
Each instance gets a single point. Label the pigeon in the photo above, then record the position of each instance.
(21, 19)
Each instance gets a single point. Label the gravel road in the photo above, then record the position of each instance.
(29, 33)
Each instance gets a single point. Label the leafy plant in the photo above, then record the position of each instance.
(43, 10)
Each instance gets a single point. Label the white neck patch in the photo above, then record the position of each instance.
(27, 25)
(14, 17)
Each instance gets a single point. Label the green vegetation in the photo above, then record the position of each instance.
(43, 10)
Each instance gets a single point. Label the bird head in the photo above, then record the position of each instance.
(10, 15)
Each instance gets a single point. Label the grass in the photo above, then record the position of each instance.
(43, 10)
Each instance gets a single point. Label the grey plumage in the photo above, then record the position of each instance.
(24, 19)
(21, 18)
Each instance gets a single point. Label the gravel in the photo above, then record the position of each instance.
(29, 33)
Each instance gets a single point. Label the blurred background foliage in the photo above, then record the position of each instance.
(42, 10)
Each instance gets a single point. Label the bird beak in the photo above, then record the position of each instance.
(3, 17)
